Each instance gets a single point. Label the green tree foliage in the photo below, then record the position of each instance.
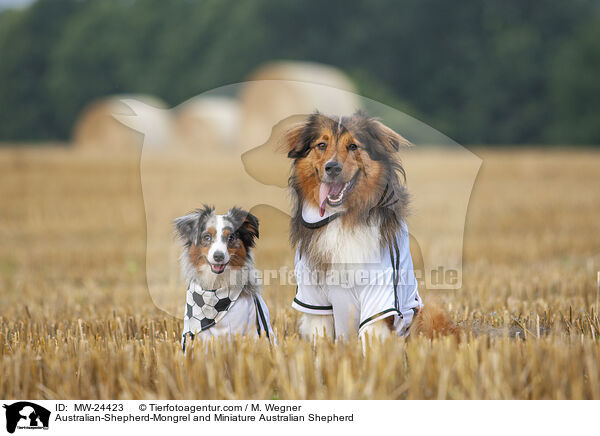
(513, 71)
(575, 88)
(26, 40)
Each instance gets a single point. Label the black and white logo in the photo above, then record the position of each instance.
(26, 415)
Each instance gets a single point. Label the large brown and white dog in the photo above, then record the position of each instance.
(353, 264)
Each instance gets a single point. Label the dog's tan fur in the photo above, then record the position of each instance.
(367, 149)
(433, 321)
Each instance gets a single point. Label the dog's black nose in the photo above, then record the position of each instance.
(333, 168)
(218, 257)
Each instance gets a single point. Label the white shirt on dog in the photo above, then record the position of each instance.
(358, 295)
(224, 311)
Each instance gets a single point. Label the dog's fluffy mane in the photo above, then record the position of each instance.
(383, 211)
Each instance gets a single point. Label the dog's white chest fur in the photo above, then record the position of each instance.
(343, 245)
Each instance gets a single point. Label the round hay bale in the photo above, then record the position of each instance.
(207, 122)
(280, 90)
(97, 127)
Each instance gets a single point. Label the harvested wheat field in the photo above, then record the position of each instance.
(77, 321)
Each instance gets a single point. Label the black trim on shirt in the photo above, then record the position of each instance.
(310, 306)
(257, 320)
(397, 269)
(394, 273)
(377, 315)
(262, 317)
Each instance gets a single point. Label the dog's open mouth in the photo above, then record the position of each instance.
(334, 194)
(217, 268)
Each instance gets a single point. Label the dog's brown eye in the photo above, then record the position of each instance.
(352, 147)
(231, 238)
(321, 146)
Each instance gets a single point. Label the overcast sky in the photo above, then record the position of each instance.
(4, 4)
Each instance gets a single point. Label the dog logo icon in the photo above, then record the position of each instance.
(26, 415)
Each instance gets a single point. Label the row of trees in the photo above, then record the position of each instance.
(491, 71)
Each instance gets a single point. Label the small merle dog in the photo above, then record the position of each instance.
(223, 296)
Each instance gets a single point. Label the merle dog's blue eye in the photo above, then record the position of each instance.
(206, 237)
(321, 146)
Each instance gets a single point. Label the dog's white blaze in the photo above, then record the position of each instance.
(203, 274)
(343, 245)
(218, 243)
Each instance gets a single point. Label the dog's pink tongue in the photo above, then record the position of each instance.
(328, 189)
(323, 192)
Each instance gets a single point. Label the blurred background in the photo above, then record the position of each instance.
(481, 72)
(88, 262)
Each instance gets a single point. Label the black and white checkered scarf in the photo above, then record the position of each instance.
(206, 307)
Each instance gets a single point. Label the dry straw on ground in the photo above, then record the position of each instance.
(76, 320)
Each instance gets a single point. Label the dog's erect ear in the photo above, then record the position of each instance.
(188, 227)
(246, 223)
(390, 140)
